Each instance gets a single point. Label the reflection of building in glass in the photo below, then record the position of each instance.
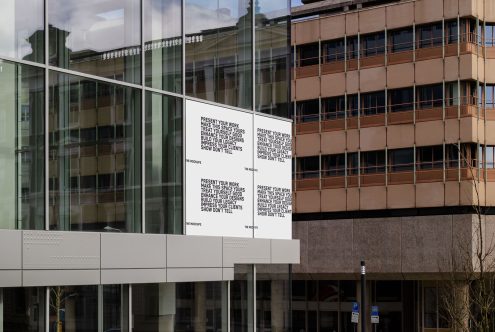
(92, 116)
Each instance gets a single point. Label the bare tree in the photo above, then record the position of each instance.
(468, 293)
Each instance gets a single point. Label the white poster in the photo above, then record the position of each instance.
(219, 177)
(273, 186)
(238, 173)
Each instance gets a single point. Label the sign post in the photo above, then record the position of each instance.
(355, 313)
(375, 317)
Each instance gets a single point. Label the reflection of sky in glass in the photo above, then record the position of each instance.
(16, 26)
(203, 15)
(162, 19)
(95, 24)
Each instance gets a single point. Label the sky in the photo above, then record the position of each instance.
(296, 3)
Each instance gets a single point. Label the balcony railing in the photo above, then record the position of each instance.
(406, 173)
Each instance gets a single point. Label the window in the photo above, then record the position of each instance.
(489, 35)
(401, 160)
(451, 32)
(95, 39)
(95, 154)
(373, 103)
(401, 40)
(451, 156)
(489, 96)
(334, 50)
(308, 167)
(490, 156)
(401, 100)
(429, 157)
(352, 47)
(308, 110)
(430, 96)
(352, 105)
(308, 55)
(333, 108)
(373, 44)
(352, 163)
(373, 162)
(333, 165)
(430, 35)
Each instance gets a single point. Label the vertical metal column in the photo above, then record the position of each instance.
(143, 127)
(363, 297)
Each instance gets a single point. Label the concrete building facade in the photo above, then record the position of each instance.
(393, 153)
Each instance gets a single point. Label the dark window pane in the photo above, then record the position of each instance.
(373, 103)
(430, 35)
(163, 157)
(333, 108)
(430, 96)
(333, 165)
(308, 55)
(108, 168)
(23, 309)
(308, 110)
(352, 47)
(115, 308)
(308, 167)
(401, 40)
(22, 146)
(334, 50)
(401, 160)
(373, 162)
(74, 308)
(102, 40)
(401, 100)
(373, 44)
(22, 29)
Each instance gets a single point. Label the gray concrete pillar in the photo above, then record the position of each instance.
(200, 307)
(277, 306)
(166, 307)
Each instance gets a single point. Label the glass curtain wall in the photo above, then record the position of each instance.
(21, 146)
(22, 309)
(162, 28)
(180, 307)
(219, 51)
(98, 37)
(95, 153)
(89, 308)
(272, 70)
(22, 36)
(95, 107)
(163, 155)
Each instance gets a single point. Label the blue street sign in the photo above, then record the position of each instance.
(355, 307)
(375, 317)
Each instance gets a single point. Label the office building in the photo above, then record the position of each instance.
(393, 104)
(108, 221)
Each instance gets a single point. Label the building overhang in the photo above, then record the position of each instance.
(56, 258)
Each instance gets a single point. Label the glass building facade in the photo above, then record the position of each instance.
(92, 97)
(92, 102)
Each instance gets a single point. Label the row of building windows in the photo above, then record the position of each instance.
(395, 160)
(185, 306)
(396, 100)
(111, 41)
(398, 40)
